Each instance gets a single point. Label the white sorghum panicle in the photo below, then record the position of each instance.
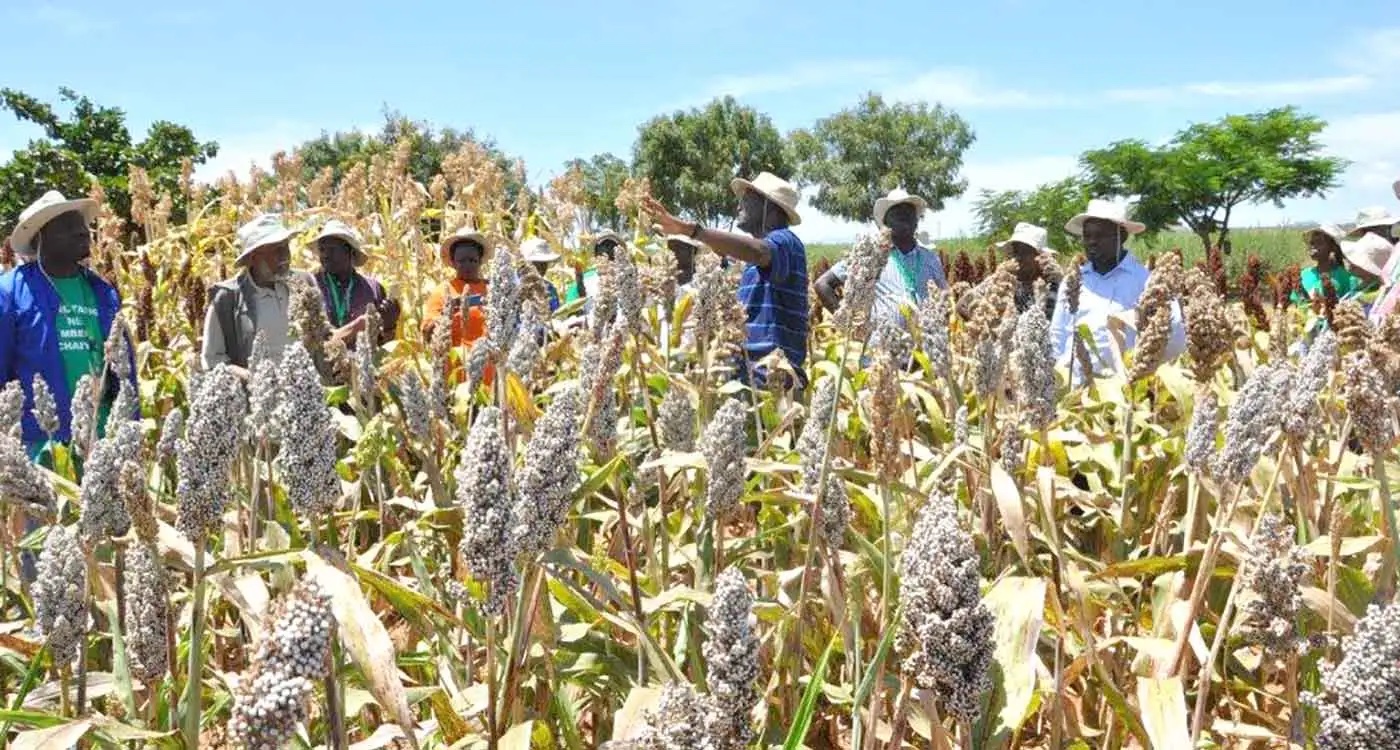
(892, 338)
(630, 297)
(307, 455)
(84, 413)
(1035, 368)
(1273, 575)
(723, 446)
(478, 357)
(680, 720)
(264, 390)
(147, 605)
(204, 457)
(863, 267)
(59, 606)
(549, 475)
(603, 305)
(1316, 366)
(11, 408)
(676, 416)
(1370, 407)
(1200, 436)
(836, 513)
(1255, 414)
(103, 514)
(488, 509)
(933, 323)
(991, 353)
(363, 360)
(1012, 450)
(731, 660)
(20, 480)
(503, 301)
(170, 432)
(811, 442)
(1074, 281)
(524, 356)
(45, 407)
(413, 401)
(1359, 706)
(945, 629)
(271, 698)
(126, 406)
(116, 352)
(961, 430)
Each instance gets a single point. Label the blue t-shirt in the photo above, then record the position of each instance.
(776, 300)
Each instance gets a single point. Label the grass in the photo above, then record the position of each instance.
(1278, 248)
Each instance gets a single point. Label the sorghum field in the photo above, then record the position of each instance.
(937, 545)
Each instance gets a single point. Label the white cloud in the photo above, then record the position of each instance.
(965, 88)
(1303, 87)
(66, 20)
(1376, 51)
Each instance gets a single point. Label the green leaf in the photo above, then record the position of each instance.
(807, 709)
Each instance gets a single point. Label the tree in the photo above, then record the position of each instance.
(92, 143)
(1049, 205)
(859, 154)
(691, 156)
(1208, 169)
(603, 176)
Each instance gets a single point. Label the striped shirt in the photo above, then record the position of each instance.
(775, 299)
(892, 290)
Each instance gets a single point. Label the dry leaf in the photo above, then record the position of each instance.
(1013, 514)
(1163, 706)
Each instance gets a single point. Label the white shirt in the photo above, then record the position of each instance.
(1102, 295)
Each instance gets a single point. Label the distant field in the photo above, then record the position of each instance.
(1278, 248)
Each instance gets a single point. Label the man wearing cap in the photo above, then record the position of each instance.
(904, 281)
(1112, 281)
(466, 251)
(346, 293)
(55, 312)
(255, 301)
(773, 288)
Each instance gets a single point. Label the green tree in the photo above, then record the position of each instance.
(1209, 169)
(691, 156)
(603, 176)
(859, 154)
(91, 143)
(1049, 205)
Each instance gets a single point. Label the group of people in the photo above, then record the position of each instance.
(1359, 265)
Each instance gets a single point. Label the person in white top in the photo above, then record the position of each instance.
(1112, 282)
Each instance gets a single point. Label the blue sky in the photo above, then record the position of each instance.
(1040, 81)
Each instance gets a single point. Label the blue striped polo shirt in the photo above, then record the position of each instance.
(776, 300)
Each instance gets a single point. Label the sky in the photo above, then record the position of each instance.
(1039, 81)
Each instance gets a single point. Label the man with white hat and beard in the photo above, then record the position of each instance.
(773, 288)
(55, 314)
(257, 300)
(903, 283)
(1112, 281)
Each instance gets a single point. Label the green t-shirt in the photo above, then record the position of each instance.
(79, 332)
(590, 278)
(1310, 280)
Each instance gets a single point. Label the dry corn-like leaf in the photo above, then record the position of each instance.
(1163, 706)
(1013, 513)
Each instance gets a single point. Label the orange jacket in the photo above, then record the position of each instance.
(468, 323)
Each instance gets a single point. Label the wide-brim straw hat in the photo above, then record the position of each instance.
(897, 197)
(1368, 253)
(261, 231)
(50, 206)
(1108, 211)
(340, 230)
(536, 250)
(1373, 217)
(781, 192)
(608, 234)
(684, 240)
(1330, 230)
(463, 235)
(1028, 234)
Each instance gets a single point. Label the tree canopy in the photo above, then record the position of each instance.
(858, 154)
(91, 143)
(691, 156)
(1049, 205)
(1209, 169)
(603, 176)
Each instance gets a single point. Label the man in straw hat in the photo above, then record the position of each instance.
(257, 300)
(904, 281)
(346, 293)
(1111, 282)
(773, 288)
(55, 313)
(461, 299)
(537, 253)
(1376, 220)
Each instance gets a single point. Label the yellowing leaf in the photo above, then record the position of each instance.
(1318, 601)
(60, 737)
(1352, 545)
(1013, 515)
(1162, 704)
(1018, 603)
(528, 735)
(627, 719)
(363, 636)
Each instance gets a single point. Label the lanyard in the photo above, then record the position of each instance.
(910, 277)
(340, 305)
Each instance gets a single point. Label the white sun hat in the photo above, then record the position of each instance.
(463, 235)
(536, 250)
(1028, 234)
(263, 230)
(1372, 217)
(897, 197)
(1331, 230)
(1108, 211)
(1368, 253)
(775, 189)
(608, 234)
(50, 206)
(339, 229)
